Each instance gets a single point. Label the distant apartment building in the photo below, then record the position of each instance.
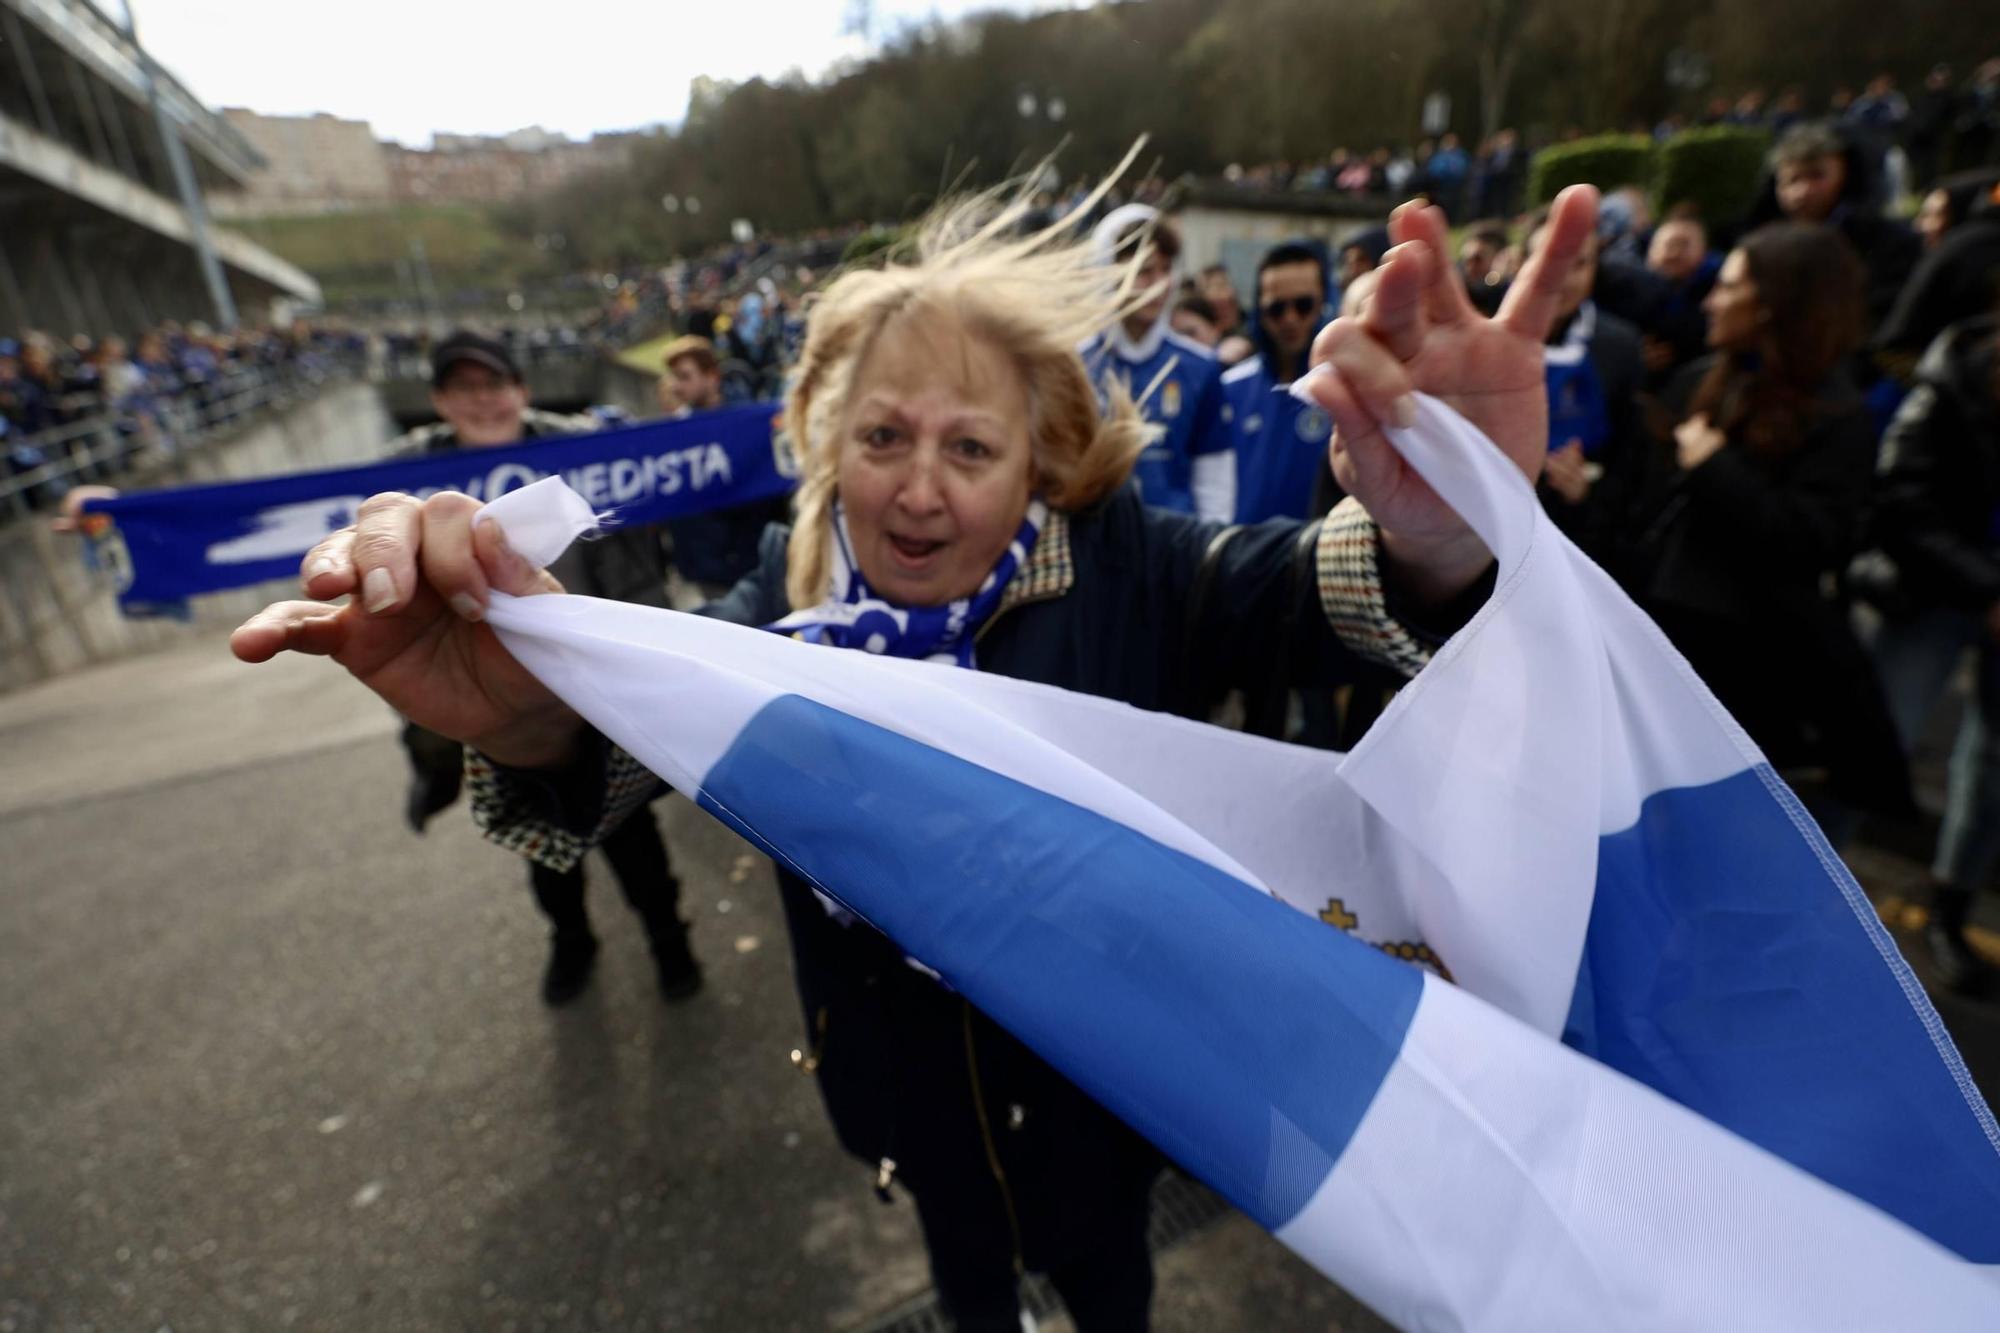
(322, 163)
(469, 169)
(313, 163)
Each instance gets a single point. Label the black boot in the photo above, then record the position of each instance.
(1959, 969)
(571, 959)
(680, 974)
(427, 796)
(437, 769)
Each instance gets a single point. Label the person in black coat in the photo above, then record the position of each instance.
(1937, 529)
(1958, 278)
(1819, 174)
(1764, 500)
(1676, 325)
(962, 498)
(1928, 132)
(478, 391)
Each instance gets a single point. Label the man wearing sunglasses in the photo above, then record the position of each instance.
(1280, 442)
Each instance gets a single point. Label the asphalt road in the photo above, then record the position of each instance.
(272, 1061)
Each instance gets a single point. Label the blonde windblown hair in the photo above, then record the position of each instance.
(1036, 297)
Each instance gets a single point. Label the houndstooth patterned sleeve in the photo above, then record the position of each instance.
(525, 813)
(1351, 593)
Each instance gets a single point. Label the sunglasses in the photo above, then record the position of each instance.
(1302, 306)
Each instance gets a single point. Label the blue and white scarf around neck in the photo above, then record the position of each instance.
(853, 616)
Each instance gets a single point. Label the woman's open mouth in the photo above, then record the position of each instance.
(913, 553)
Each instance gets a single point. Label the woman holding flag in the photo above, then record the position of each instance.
(963, 500)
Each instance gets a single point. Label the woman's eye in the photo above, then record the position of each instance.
(880, 436)
(971, 448)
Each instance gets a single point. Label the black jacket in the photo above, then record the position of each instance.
(909, 1070)
(1743, 537)
(1739, 553)
(1937, 514)
(1888, 248)
(1959, 280)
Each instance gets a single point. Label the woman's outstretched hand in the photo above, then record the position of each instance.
(418, 575)
(1421, 332)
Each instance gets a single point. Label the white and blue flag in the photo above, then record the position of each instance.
(1679, 1077)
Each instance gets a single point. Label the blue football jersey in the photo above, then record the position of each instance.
(1181, 384)
(1280, 443)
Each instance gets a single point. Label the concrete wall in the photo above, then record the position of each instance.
(57, 614)
(619, 385)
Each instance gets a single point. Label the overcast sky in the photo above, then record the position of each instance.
(411, 67)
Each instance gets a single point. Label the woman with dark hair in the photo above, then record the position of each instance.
(1768, 484)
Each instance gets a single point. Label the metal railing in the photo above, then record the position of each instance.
(117, 439)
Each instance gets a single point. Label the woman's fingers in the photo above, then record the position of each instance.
(1445, 298)
(299, 627)
(1532, 300)
(1378, 381)
(1395, 309)
(450, 559)
(328, 569)
(384, 549)
(507, 570)
(1363, 461)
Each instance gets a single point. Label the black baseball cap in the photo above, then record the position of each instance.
(464, 346)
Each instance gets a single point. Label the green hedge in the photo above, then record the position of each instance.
(875, 247)
(1609, 161)
(1718, 170)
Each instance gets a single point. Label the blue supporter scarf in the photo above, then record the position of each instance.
(168, 545)
(1577, 410)
(854, 616)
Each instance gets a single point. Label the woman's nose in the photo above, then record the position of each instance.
(920, 492)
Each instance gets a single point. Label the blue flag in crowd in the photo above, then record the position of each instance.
(1546, 1008)
(173, 544)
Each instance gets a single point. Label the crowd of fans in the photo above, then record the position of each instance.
(1780, 433)
(1464, 183)
(1949, 125)
(1777, 431)
(154, 392)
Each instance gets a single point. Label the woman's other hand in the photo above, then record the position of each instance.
(1421, 332)
(1696, 441)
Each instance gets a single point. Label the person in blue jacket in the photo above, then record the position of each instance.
(1281, 442)
(1176, 381)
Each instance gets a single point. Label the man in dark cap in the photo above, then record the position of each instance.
(480, 394)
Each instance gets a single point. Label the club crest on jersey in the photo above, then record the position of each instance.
(1170, 400)
(1313, 425)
